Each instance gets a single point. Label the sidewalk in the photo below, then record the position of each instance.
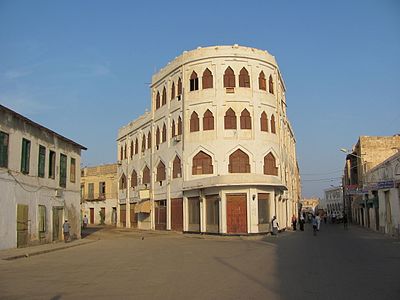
(15, 253)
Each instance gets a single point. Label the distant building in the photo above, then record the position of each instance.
(99, 193)
(216, 153)
(309, 205)
(369, 152)
(39, 182)
(334, 200)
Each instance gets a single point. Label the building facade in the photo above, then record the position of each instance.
(99, 194)
(334, 201)
(216, 153)
(39, 182)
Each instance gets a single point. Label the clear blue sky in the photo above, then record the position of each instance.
(82, 68)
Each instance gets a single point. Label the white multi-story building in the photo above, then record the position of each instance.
(216, 153)
(334, 200)
(39, 182)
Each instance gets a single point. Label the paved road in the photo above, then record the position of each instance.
(336, 264)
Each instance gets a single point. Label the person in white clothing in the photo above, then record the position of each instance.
(318, 219)
(275, 226)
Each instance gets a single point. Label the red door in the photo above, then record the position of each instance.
(161, 214)
(92, 216)
(236, 208)
(177, 214)
(133, 216)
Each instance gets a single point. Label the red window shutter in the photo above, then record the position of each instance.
(229, 78)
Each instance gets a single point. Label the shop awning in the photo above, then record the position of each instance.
(143, 207)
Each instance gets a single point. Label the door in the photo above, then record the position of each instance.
(194, 214)
(133, 216)
(57, 223)
(236, 206)
(161, 214)
(177, 214)
(122, 214)
(22, 225)
(91, 213)
(212, 212)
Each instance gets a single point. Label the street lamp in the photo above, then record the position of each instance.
(349, 152)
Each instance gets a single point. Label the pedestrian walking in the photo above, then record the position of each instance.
(301, 222)
(66, 231)
(275, 226)
(314, 224)
(325, 217)
(294, 222)
(318, 219)
(345, 220)
(85, 222)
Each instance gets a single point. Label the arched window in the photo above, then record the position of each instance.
(132, 149)
(270, 165)
(121, 153)
(179, 86)
(271, 84)
(229, 78)
(136, 146)
(202, 164)
(239, 162)
(208, 120)
(164, 133)
(245, 119)
(122, 182)
(149, 140)
(158, 136)
(146, 175)
(230, 119)
(143, 143)
(194, 122)
(273, 130)
(194, 82)
(161, 171)
(207, 79)
(158, 104)
(244, 78)
(133, 179)
(164, 96)
(176, 168)
(179, 126)
(264, 122)
(173, 91)
(262, 82)
(125, 151)
(173, 128)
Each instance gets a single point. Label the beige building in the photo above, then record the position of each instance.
(333, 201)
(309, 205)
(39, 182)
(99, 194)
(216, 153)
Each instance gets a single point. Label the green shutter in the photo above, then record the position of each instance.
(3, 149)
(63, 170)
(42, 159)
(25, 156)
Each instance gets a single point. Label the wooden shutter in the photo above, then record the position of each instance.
(202, 164)
(179, 126)
(239, 162)
(41, 161)
(72, 170)
(194, 122)
(136, 146)
(3, 149)
(179, 86)
(158, 100)
(176, 168)
(63, 170)
(245, 120)
(208, 120)
(271, 85)
(25, 156)
(264, 121)
(173, 133)
(164, 96)
(207, 80)
(194, 82)
(146, 175)
(164, 133)
(161, 171)
(262, 83)
(244, 78)
(149, 140)
(133, 179)
(273, 129)
(229, 78)
(230, 119)
(143, 142)
(173, 91)
(270, 165)
(158, 136)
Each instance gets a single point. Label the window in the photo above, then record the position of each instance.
(164, 96)
(245, 120)
(102, 190)
(208, 120)
(136, 146)
(158, 136)
(52, 164)
(134, 180)
(264, 121)
(179, 126)
(125, 151)
(270, 165)
(164, 133)
(229, 78)
(173, 91)
(271, 84)
(42, 218)
(158, 104)
(3, 149)
(179, 86)
(273, 130)
(202, 164)
(161, 171)
(176, 168)
(41, 161)
(173, 128)
(263, 211)
(149, 140)
(262, 82)
(239, 162)
(230, 119)
(72, 170)
(146, 175)
(63, 170)
(207, 79)
(121, 153)
(25, 156)
(91, 191)
(122, 182)
(143, 143)
(244, 78)
(194, 122)
(194, 82)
